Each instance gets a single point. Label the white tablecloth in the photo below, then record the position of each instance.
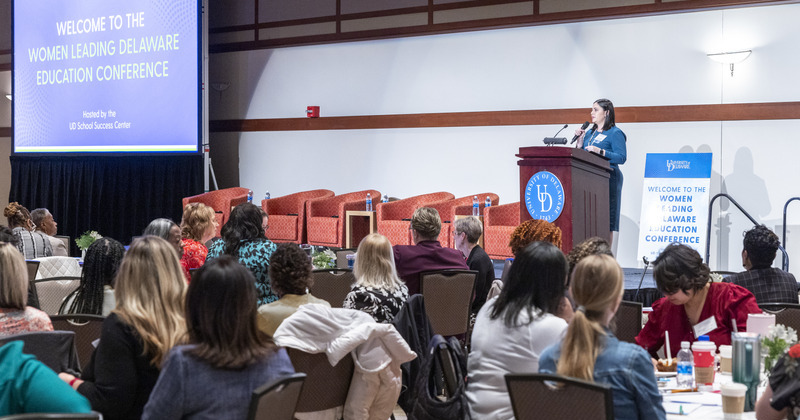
(700, 405)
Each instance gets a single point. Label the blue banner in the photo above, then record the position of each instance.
(678, 165)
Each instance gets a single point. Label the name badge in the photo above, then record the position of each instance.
(600, 137)
(706, 326)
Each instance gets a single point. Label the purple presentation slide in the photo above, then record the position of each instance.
(106, 76)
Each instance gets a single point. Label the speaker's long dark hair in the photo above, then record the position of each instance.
(536, 282)
(244, 224)
(221, 316)
(607, 106)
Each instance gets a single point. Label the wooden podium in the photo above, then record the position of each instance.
(584, 177)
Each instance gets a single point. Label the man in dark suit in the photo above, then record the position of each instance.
(427, 253)
(767, 283)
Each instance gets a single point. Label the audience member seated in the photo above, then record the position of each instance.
(466, 233)
(589, 351)
(427, 253)
(781, 399)
(378, 290)
(44, 222)
(136, 337)
(589, 246)
(513, 329)
(30, 243)
(534, 230)
(692, 305)
(198, 226)
(167, 230)
(15, 316)
(767, 283)
(243, 238)
(28, 386)
(290, 271)
(213, 377)
(95, 295)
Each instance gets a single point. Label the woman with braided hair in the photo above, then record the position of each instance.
(30, 243)
(589, 351)
(95, 295)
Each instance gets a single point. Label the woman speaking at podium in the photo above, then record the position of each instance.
(606, 139)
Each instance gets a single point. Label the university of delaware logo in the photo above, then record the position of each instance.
(544, 196)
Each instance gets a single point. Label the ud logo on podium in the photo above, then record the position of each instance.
(544, 196)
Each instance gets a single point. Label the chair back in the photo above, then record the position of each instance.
(58, 267)
(54, 416)
(325, 386)
(341, 257)
(553, 397)
(448, 299)
(627, 322)
(86, 328)
(277, 399)
(67, 241)
(56, 349)
(787, 314)
(332, 285)
(52, 292)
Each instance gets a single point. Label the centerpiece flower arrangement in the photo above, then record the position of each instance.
(87, 239)
(323, 259)
(777, 341)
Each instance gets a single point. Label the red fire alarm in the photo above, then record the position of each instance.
(312, 112)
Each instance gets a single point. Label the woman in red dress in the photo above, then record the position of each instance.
(198, 225)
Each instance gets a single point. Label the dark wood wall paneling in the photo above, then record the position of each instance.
(637, 114)
(536, 18)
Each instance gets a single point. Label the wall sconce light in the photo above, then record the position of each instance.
(730, 57)
(8, 96)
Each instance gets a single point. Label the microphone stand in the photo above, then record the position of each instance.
(646, 264)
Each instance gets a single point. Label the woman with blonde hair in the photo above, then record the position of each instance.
(15, 316)
(378, 290)
(589, 351)
(198, 226)
(136, 337)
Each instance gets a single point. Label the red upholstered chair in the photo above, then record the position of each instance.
(221, 201)
(325, 217)
(287, 215)
(448, 210)
(390, 215)
(499, 223)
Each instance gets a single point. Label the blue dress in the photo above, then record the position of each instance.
(628, 370)
(613, 142)
(253, 254)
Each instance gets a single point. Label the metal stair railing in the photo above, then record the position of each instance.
(708, 228)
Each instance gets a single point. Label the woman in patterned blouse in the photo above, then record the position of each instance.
(378, 290)
(243, 238)
(198, 225)
(15, 316)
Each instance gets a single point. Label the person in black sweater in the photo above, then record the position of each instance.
(136, 337)
(467, 232)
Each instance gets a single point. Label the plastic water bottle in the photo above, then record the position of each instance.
(250, 196)
(488, 201)
(385, 198)
(685, 363)
(369, 202)
(476, 208)
(266, 196)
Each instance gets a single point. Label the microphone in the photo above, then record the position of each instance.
(583, 127)
(556, 140)
(646, 264)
